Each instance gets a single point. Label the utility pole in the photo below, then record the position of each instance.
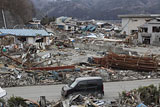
(4, 19)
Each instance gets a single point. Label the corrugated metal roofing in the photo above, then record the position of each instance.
(25, 32)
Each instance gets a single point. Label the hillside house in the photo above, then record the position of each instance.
(66, 23)
(34, 24)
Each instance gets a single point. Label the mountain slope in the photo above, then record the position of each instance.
(97, 9)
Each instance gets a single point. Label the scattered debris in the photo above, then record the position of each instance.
(84, 101)
(2, 92)
(142, 97)
(41, 58)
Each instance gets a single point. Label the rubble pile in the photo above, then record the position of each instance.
(125, 75)
(18, 77)
(83, 101)
(73, 101)
(49, 68)
(148, 95)
(24, 58)
(51, 75)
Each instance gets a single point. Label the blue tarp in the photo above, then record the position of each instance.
(141, 105)
(89, 28)
(93, 28)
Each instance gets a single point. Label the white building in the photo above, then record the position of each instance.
(150, 33)
(66, 23)
(63, 19)
(130, 23)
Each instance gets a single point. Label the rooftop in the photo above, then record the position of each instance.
(2, 34)
(24, 32)
(87, 78)
(139, 16)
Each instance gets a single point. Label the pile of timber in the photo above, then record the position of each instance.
(113, 60)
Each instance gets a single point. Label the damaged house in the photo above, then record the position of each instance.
(131, 22)
(30, 36)
(66, 23)
(34, 24)
(150, 33)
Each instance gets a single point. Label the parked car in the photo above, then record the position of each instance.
(84, 86)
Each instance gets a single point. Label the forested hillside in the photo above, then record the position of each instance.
(16, 12)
